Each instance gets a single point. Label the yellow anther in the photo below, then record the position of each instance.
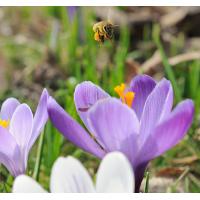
(120, 89)
(4, 123)
(129, 96)
(126, 97)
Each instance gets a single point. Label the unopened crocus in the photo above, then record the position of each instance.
(72, 10)
(19, 130)
(69, 175)
(141, 123)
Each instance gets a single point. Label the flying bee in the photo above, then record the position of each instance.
(103, 30)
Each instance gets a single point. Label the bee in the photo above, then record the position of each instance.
(103, 30)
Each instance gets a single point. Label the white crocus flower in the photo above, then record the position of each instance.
(69, 175)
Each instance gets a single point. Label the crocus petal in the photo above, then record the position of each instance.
(40, 117)
(169, 132)
(116, 126)
(71, 129)
(8, 107)
(21, 125)
(115, 174)
(158, 105)
(25, 184)
(142, 86)
(10, 153)
(86, 94)
(69, 175)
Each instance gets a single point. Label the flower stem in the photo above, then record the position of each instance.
(39, 157)
(146, 188)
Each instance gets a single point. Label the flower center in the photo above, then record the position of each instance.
(4, 123)
(126, 97)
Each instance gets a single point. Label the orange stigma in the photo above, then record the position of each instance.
(4, 123)
(126, 97)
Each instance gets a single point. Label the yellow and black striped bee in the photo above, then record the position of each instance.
(103, 30)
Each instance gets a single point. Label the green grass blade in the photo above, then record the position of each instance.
(167, 66)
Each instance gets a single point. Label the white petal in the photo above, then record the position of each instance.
(115, 174)
(69, 175)
(25, 184)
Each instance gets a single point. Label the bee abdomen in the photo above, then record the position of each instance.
(109, 30)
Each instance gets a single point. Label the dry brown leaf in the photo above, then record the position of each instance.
(156, 60)
(170, 171)
(185, 160)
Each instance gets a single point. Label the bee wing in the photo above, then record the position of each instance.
(116, 27)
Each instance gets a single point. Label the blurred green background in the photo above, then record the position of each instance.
(54, 47)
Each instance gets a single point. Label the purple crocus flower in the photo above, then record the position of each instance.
(72, 10)
(19, 130)
(141, 124)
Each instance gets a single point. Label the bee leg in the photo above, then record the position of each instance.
(102, 38)
(107, 37)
